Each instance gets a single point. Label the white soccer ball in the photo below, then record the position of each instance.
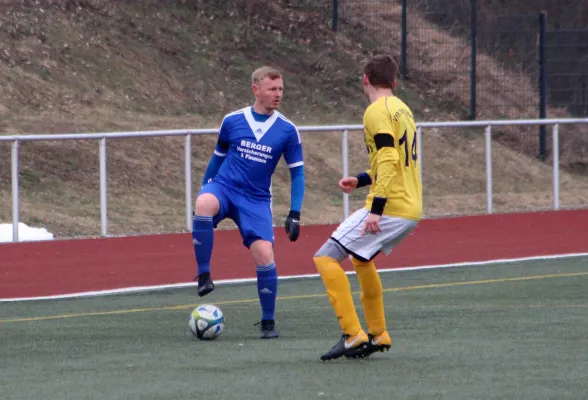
(207, 322)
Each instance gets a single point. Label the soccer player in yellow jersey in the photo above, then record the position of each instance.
(392, 210)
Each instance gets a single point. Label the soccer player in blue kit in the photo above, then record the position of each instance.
(236, 185)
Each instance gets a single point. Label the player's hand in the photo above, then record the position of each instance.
(348, 184)
(293, 225)
(372, 224)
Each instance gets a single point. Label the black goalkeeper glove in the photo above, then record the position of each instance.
(293, 225)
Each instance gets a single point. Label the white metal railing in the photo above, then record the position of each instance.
(187, 133)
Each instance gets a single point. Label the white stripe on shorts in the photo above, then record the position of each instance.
(394, 229)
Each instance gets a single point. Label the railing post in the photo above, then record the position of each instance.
(474, 51)
(103, 200)
(335, 16)
(556, 167)
(542, 86)
(404, 43)
(345, 146)
(420, 151)
(487, 134)
(15, 208)
(188, 181)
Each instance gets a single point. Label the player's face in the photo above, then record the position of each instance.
(269, 92)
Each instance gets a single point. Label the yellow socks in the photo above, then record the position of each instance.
(371, 296)
(339, 292)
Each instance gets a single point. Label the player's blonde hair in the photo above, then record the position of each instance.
(265, 72)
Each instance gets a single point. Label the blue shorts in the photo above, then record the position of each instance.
(252, 216)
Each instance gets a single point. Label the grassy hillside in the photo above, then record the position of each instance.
(97, 65)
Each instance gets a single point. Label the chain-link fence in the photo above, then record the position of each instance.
(567, 69)
(475, 61)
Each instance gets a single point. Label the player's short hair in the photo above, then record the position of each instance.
(381, 71)
(265, 72)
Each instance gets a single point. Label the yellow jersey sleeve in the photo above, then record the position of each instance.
(383, 154)
(394, 174)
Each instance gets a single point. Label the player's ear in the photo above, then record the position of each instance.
(366, 81)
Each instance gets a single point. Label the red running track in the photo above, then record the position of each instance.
(73, 266)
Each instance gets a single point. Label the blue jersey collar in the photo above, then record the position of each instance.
(259, 128)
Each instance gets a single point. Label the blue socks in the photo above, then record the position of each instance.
(267, 275)
(267, 289)
(203, 238)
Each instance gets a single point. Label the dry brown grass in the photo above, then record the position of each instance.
(127, 68)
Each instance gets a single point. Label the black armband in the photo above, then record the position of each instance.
(378, 205)
(383, 140)
(363, 179)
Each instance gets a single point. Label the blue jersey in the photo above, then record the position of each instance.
(253, 149)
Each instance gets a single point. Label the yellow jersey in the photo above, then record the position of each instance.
(391, 141)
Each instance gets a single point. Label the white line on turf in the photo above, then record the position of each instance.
(137, 289)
